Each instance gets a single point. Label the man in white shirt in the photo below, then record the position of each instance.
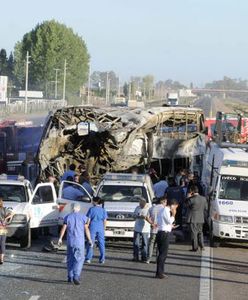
(166, 217)
(153, 219)
(141, 230)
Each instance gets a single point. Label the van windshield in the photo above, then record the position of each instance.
(13, 193)
(122, 193)
(234, 188)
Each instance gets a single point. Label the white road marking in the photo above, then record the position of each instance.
(206, 276)
(34, 298)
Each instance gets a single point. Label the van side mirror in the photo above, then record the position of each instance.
(212, 197)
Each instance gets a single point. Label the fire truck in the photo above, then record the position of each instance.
(19, 142)
(234, 127)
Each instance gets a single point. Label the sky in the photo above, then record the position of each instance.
(186, 40)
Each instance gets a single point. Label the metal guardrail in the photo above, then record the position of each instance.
(34, 105)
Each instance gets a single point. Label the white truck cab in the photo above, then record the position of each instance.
(120, 193)
(226, 176)
(32, 208)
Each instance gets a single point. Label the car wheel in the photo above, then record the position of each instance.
(25, 241)
(214, 240)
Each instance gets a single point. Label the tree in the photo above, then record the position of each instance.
(49, 44)
(99, 82)
(10, 67)
(148, 84)
(3, 62)
(125, 89)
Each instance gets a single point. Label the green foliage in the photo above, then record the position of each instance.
(148, 83)
(169, 84)
(49, 44)
(228, 83)
(3, 62)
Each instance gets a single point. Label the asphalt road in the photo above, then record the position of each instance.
(33, 274)
(211, 105)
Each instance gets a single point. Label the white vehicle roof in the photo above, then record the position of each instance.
(229, 160)
(20, 180)
(234, 154)
(234, 171)
(125, 179)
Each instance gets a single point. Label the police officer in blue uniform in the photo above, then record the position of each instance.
(76, 225)
(97, 218)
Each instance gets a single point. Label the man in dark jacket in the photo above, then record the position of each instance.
(196, 207)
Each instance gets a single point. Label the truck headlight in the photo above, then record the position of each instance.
(226, 219)
(19, 218)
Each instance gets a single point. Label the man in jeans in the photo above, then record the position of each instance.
(166, 218)
(141, 231)
(153, 219)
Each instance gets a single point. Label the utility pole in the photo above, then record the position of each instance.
(56, 84)
(119, 87)
(88, 96)
(26, 83)
(106, 100)
(129, 91)
(65, 64)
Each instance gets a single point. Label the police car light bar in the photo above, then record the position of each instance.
(122, 177)
(12, 177)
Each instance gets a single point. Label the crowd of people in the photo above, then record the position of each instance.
(175, 198)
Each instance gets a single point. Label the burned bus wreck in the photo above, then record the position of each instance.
(116, 139)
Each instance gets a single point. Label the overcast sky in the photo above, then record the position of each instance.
(185, 40)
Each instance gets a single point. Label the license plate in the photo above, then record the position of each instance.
(119, 232)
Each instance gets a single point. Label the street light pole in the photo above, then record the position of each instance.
(26, 83)
(129, 91)
(56, 83)
(65, 64)
(106, 100)
(119, 87)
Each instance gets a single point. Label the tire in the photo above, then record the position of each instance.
(25, 241)
(214, 240)
(35, 233)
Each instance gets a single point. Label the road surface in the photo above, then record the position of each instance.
(218, 274)
(211, 105)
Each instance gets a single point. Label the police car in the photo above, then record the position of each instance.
(32, 208)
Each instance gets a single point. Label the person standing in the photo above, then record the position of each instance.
(153, 218)
(176, 192)
(160, 187)
(141, 230)
(5, 216)
(71, 172)
(76, 225)
(97, 219)
(71, 191)
(166, 217)
(197, 205)
(84, 180)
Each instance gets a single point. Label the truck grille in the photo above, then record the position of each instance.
(241, 220)
(119, 216)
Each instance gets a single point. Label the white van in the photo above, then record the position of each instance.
(226, 176)
(32, 209)
(120, 193)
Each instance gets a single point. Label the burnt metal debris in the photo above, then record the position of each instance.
(117, 138)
